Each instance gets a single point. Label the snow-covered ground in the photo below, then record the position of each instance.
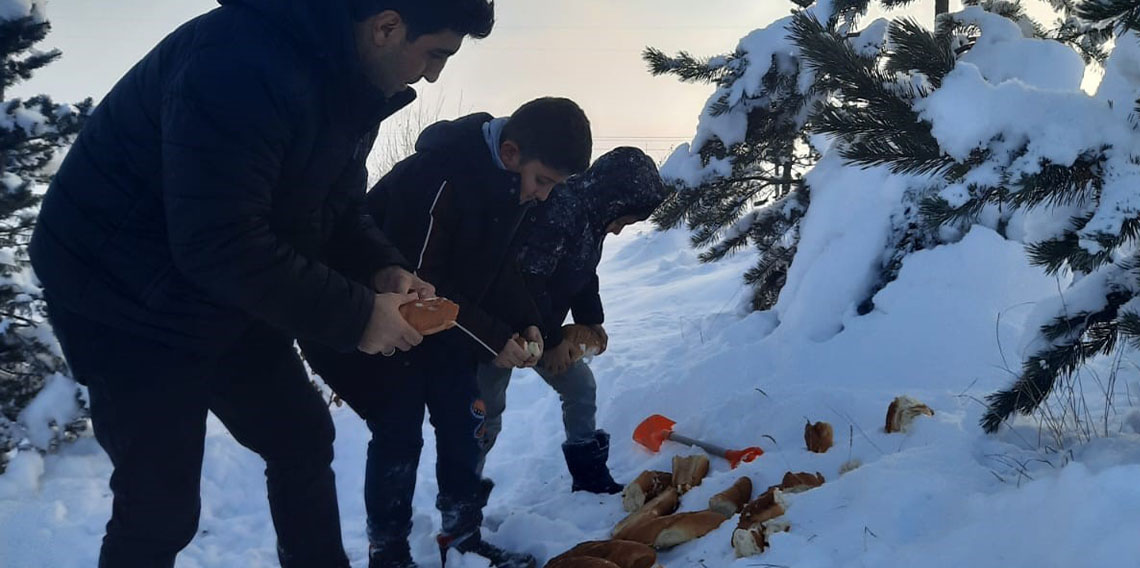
(946, 332)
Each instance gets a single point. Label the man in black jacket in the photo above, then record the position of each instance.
(559, 259)
(455, 208)
(209, 214)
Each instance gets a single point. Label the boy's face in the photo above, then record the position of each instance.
(537, 179)
(615, 227)
(391, 62)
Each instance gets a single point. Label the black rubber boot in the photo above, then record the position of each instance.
(395, 555)
(587, 464)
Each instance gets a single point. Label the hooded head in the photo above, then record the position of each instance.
(623, 184)
(620, 188)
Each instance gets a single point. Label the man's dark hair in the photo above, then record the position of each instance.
(474, 18)
(553, 131)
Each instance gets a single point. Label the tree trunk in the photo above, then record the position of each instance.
(941, 7)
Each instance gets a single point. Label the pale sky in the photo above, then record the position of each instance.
(587, 50)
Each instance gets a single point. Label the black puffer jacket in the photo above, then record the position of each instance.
(563, 246)
(222, 181)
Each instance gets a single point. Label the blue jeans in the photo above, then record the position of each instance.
(576, 388)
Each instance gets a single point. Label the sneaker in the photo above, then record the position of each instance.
(499, 558)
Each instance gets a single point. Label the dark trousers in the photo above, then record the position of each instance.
(148, 406)
(429, 377)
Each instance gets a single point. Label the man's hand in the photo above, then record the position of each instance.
(533, 335)
(513, 354)
(601, 331)
(559, 359)
(397, 280)
(387, 331)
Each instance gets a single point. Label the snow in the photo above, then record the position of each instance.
(16, 9)
(942, 495)
(953, 327)
(54, 405)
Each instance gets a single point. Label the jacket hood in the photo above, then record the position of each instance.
(462, 135)
(623, 181)
(571, 225)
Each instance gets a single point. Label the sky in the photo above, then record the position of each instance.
(587, 50)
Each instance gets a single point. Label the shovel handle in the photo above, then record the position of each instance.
(710, 448)
(734, 457)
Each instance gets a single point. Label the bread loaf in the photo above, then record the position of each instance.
(800, 482)
(581, 562)
(588, 342)
(622, 553)
(643, 489)
(689, 471)
(671, 530)
(659, 506)
(431, 315)
(730, 501)
(819, 437)
(902, 412)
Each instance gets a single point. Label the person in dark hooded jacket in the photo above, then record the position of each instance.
(456, 208)
(559, 258)
(209, 214)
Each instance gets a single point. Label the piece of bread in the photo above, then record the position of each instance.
(431, 315)
(622, 553)
(819, 437)
(643, 489)
(659, 506)
(678, 528)
(531, 347)
(730, 501)
(753, 541)
(689, 471)
(588, 341)
(902, 412)
(769, 505)
(800, 482)
(581, 562)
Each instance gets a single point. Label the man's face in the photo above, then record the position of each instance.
(537, 179)
(391, 62)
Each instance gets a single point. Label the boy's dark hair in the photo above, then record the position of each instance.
(474, 18)
(554, 131)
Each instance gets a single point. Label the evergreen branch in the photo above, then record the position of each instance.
(686, 67)
(917, 49)
(1121, 13)
(1093, 333)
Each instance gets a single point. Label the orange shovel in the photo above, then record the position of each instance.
(653, 431)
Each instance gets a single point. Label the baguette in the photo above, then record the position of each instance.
(622, 553)
(648, 485)
(730, 501)
(689, 471)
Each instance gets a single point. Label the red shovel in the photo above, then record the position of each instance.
(653, 431)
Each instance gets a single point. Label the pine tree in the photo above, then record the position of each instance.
(32, 132)
(1102, 255)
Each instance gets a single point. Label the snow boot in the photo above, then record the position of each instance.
(586, 461)
(395, 555)
(474, 544)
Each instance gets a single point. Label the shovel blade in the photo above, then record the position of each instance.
(653, 431)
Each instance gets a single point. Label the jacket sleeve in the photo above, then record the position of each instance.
(357, 247)
(226, 127)
(586, 305)
(433, 264)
